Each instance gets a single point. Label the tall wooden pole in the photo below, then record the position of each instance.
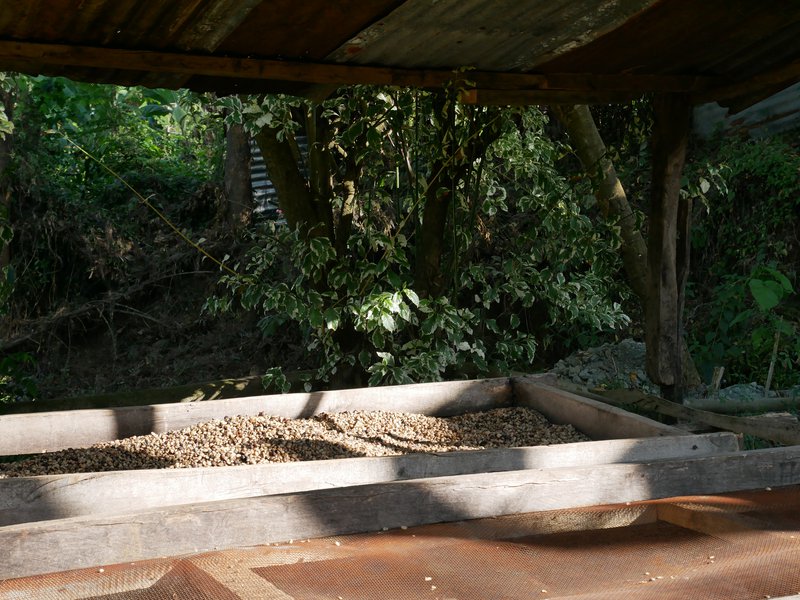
(668, 245)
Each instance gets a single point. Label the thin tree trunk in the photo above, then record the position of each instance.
(610, 194)
(6, 144)
(430, 247)
(451, 173)
(294, 194)
(238, 188)
(428, 279)
(321, 169)
(349, 188)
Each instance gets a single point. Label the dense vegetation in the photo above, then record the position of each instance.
(437, 239)
(424, 239)
(85, 248)
(745, 310)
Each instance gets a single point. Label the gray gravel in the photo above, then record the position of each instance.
(619, 365)
(622, 365)
(262, 439)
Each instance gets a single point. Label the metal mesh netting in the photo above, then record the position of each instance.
(734, 546)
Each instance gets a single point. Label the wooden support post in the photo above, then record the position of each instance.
(668, 245)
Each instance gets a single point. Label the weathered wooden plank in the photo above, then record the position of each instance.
(518, 525)
(35, 548)
(239, 574)
(26, 499)
(25, 54)
(777, 431)
(731, 406)
(192, 392)
(722, 525)
(597, 420)
(32, 433)
(780, 77)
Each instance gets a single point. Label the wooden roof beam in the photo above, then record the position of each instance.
(752, 88)
(484, 97)
(571, 87)
(213, 27)
(92, 57)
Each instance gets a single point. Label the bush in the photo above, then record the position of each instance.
(746, 248)
(79, 229)
(523, 266)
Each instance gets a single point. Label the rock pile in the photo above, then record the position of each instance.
(622, 365)
(610, 365)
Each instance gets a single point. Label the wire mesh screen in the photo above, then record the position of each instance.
(734, 546)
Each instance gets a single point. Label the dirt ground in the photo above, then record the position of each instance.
(160, 340)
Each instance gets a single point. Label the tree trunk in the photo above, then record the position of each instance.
(238, 188)
(321, 169)
(450, 173)
(609, 192)
(294, 193)
(349, 189)
(430, 247)
(613, 201)
(428, 279)
(6, 144)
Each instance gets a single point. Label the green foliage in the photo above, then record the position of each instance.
(745, 246)
(359, 312)
(768, 287)
(6, 231)
(522, 264)
(6, 125)
(750, 192)
(16, 380)
(554, 254)
(147, 136)
(274, 378)
(79, 229)
(625, 129)
(744, 320)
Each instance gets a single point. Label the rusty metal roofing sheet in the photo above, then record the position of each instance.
(503, 35)
(196, 25)
(776, 114)
(179, 24)
(713, 37)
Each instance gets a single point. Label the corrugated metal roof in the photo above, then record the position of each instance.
(727, 38)
(577, 47)
(778, 113)
(502, 35)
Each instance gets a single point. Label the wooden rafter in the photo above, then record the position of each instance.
(781, 77)
(500, 88)
(490, 97)
(92, 57)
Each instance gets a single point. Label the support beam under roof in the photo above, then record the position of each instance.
(481, 86)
